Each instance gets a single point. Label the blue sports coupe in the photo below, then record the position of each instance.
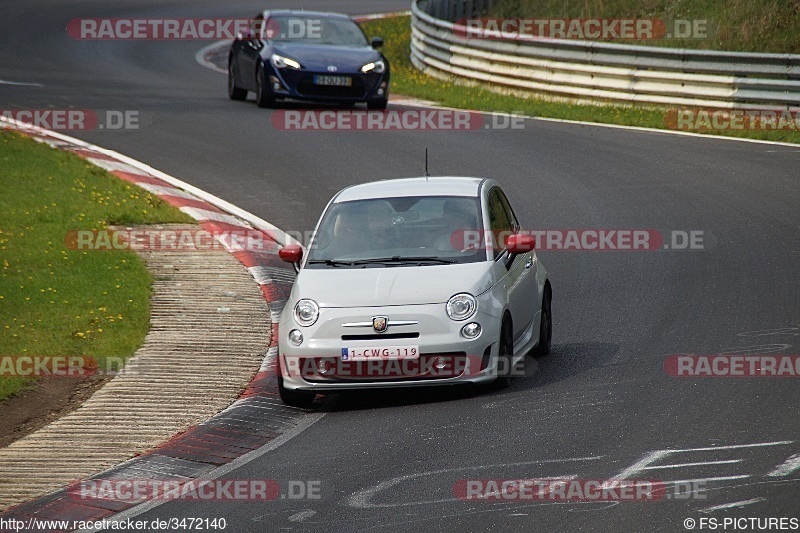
(305, 55)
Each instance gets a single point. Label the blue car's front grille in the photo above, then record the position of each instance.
(378, 336)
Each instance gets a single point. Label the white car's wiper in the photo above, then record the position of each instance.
(402, 259)
(395, 260)
(330, 262)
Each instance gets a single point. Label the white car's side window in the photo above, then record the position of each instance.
(499, 222)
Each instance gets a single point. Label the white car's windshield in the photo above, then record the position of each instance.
(399, 231)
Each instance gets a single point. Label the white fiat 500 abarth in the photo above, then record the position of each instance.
(412, 282)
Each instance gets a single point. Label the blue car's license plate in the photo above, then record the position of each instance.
(337, 81)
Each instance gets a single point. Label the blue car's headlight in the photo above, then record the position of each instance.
(378, 67)
(279, 61)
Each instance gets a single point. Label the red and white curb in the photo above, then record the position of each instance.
(255, 421)
(213, 213)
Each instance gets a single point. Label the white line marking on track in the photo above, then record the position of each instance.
(736, 446)
(703, 480)
(361, 499)
(201, 54)
(702, 463)
(655, 456)
(731, 505)
(787, 467)
(638, 466)
(302, 516)
(420, 103)
(21, 83)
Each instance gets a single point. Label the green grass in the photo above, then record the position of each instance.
(59, 301)
(408, 81)
(736, 25)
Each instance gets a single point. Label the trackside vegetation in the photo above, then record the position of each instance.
(56, 300)
(771, 26)
(407, 80)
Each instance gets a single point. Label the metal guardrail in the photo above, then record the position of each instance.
(598, 70)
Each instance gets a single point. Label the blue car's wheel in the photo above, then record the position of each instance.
(234, 92)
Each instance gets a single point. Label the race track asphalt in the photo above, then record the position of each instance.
(594, 408)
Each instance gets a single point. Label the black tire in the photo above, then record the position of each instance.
(377, 104)
(545, 326)
(505, 355)
(294, 398)
(234, 92)
(264, 95)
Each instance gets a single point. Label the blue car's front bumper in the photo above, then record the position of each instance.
(300, 85)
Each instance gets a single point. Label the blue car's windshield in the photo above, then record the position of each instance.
(315, 30)
(399, 231)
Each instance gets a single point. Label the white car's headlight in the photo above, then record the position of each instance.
(306, 312)
(378, 67)
(280, 61)
(461, 306)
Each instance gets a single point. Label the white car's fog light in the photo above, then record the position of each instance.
(306, 312)
(296, 337)
(471, 330)
(324, 367)
(461, 306)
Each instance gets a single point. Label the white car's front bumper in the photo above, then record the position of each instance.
(437, 337)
